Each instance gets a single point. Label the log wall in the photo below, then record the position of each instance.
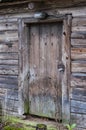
(9, 65)
(78, 70)
(9, 61)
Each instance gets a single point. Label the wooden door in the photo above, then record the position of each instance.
(45, 58)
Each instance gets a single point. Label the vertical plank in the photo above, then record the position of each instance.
(59, 74)
(23, 31)
(66, 49)
(34, 69)
(44, 35)
(43, 44)
(45, 54)
(56, 57)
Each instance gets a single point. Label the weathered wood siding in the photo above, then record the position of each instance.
(78, 70)
(9, 60)
(45, 55)
(9, 65)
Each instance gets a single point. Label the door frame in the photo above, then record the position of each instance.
(23, 83)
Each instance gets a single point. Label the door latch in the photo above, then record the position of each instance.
(61, 68)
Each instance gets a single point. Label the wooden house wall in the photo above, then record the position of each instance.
(78, 70)
(9, 64)
(9, 61)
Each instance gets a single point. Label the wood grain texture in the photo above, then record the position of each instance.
(78, 28)
(80, 120)
(78, 35)
(8, 48)
(78, 107)
(23, 65)
(8, 36)
(78, 53)
(66, 55)
(41, 5)
(11, 105)
(78, 81)
(44, 76)
(9, 56)
(79, 21)
(8, 86)
(11, 102)
(12, 94)
(8, 62)
(2, 93)
(78, 43)
(8, 79)
(8, 26)
(78, 93)
(79, 24)
(78, 66)
(6, 69)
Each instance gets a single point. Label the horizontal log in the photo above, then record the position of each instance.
(23, 12)
(2, 93)
(78, 67)
(11, 113)
(79, 119)
(8, 36)
(79, 21)
(8, 86)
(11, 105)
(10, 70)
(8, 26)
(46, 4)
(9, 79)
(78, 28)
(78, 107)
(9, 47)
(78, 53)
(8, 20)
(78, 42)
(78, 35)
(78, 93)
(8, 62)
(79, 80)
(12, 94)
(8, 56)
(79, 74)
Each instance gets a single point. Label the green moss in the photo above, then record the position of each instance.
(41, 114)
(26, 107)
(27, 124)
(12, 128)
(52, 128)
(41, 126)
(16, 128)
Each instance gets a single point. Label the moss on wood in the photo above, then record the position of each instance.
(27, 124)
(26, 107)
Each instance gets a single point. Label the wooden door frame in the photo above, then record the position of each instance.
(24, 63)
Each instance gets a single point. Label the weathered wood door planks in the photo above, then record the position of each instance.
(45, 41)
(44, 59)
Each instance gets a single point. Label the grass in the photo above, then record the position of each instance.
(19, 124)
